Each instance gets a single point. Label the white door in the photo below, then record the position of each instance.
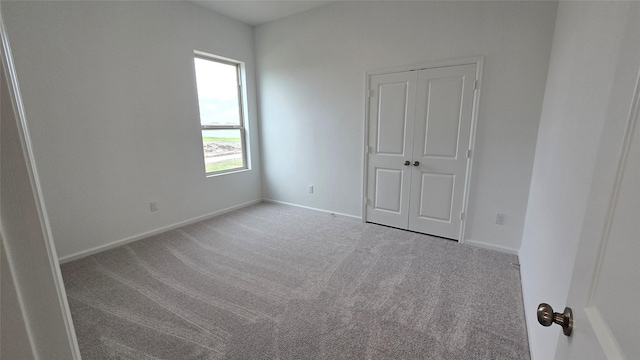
(391, 121)
(419, 134)
(605, 288)
(444, 109)
(42, 326)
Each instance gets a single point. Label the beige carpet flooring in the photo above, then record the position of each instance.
(278, 282)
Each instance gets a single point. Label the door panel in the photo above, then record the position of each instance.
(388, 190)
(392, 116)
(443, 117)
(441, 140)
(435, 200)
(391, 122)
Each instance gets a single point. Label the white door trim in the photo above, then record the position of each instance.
(478, 61)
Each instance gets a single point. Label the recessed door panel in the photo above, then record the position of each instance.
(444, 102)
(436, 195)
(388, 190)
(392, 118)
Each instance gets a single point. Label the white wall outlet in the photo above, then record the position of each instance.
(153, 206)
(310, 189)
(500, 219)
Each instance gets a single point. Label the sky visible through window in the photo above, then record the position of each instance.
(217, 85)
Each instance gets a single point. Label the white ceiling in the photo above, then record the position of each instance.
(259, 12)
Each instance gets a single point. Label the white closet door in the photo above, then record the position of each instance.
(391, 123)
(444, 108)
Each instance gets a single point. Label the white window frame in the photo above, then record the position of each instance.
(240, 71)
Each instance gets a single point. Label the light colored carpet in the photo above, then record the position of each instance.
(279, 282)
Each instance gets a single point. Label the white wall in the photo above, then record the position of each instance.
(110, 99)
(578, 109)
(312, 85)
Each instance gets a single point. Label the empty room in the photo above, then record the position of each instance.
(320, 179)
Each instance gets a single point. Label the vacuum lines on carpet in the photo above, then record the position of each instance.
(279, 282)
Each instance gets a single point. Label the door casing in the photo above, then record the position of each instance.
(478, 61)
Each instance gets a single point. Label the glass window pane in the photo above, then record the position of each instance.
(217, 86)
(222, 149)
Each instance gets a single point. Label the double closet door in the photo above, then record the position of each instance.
(419, 130)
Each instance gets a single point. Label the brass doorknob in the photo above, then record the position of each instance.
(416, 163)
(546, 317)
(407, 163)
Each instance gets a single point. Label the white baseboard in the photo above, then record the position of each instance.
(340, 215)
(528, 322)
(484, 245)
(114, 244)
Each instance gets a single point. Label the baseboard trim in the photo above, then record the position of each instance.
(528, 322)
(114, 244)
(484, 245)
(340, 215)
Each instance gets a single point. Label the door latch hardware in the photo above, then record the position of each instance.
(546, 317)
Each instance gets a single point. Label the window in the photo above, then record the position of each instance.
(220, 88)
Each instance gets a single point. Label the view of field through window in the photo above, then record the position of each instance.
(222, 150)
(220, 115)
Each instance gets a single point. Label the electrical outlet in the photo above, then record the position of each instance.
(500, 219)
(310, 189)
(153, 206)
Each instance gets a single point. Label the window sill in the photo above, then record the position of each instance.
(235, 171)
